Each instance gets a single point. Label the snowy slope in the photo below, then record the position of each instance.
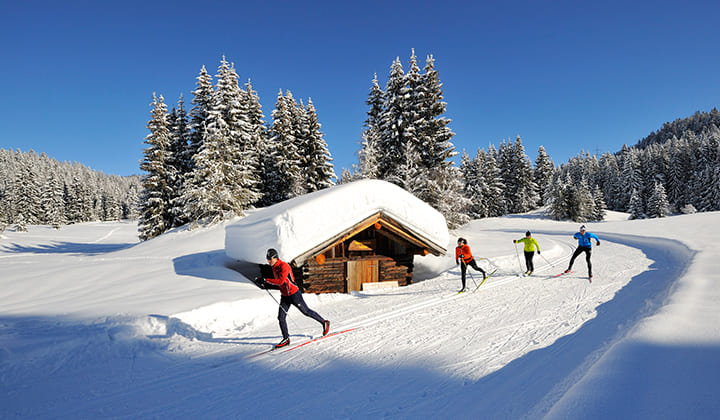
(94, 324)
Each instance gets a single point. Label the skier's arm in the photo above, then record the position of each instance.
(284, 274)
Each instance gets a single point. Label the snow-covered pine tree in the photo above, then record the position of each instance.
(472, 187)
(223, 182)
(494, 197)
(155, 215)
(371, 136)
(609, 180)
(600, 206)
(516, 170)
(202, 104)
(282, 164)
(318, 169)
(635, 206)
(392, 125)
(631, 178)
(543, 173)
(27, 193)
(53, 204)
(257, 143)
(658, 205)
(180, 161)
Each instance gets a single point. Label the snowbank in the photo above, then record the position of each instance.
(294, 226)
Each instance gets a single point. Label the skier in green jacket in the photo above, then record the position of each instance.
(530, 246)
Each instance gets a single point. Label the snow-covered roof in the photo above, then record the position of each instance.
(297, 225)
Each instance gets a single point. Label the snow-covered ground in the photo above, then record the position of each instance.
(94, 324)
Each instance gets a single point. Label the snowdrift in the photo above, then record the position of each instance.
(294, 226)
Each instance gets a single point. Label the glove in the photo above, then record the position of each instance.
(514, 241)
(260, 282)
(457, 262)
(598, 243)
(538, 252)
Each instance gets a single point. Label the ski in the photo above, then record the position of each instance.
(563, 273)
(312, 340)
(260, 353)
(481, 283)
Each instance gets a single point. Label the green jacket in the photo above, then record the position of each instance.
(530, 244)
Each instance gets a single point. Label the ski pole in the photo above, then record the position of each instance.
(551, 264)
(280, 306)
(518, 256)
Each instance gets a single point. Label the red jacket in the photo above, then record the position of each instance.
(283, 278)
(463, 250)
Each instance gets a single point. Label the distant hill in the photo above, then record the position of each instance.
(698, 123)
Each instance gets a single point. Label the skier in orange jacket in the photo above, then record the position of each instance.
(463, 256)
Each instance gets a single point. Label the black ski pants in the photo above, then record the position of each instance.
(588, 251)
(297, 300)
(529, 260)
(463, 270)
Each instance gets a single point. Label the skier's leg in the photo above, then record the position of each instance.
(463, 269)
(529, 260)
(572, 259)
(474, 265)
(588, 251)
(299, 303)
(282, 314)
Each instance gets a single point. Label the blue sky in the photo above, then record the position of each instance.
(78, 76)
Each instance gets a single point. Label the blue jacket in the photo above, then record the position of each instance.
(584, 240)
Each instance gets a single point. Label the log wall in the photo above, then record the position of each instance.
(330, 277)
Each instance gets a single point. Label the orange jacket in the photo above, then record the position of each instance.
(464, 251)
(283, 278)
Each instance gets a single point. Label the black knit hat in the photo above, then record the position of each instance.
(527, 233)
(271, 253)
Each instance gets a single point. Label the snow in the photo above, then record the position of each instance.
(294, 226)
(94, 324)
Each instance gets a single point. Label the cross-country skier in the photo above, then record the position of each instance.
(584, 245)
(290, 294)
(463, 256)
(529, 249)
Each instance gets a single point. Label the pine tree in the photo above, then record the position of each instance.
(543, 172)
(180, 162)
(282, 164)
(257, 142)
(658, 205)
(370, 150)
(318, 168)
(635, 206)
(155, 214)
(392, 125)
(494, 197)
(600, 206)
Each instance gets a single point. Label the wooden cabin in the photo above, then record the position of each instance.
(376, 250)
(341, 239)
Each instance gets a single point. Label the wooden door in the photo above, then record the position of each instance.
(361, 271)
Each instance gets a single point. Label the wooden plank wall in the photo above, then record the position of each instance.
(330, 277)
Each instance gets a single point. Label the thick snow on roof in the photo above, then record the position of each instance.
(296, 225)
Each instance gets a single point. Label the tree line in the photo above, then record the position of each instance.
(221, 158)
(36, 189)
(407, 141)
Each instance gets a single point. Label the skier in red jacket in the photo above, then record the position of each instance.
(290, 294)
(463, 253)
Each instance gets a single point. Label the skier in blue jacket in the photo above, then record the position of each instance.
(584, 245)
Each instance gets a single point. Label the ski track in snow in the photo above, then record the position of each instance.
(512, 349)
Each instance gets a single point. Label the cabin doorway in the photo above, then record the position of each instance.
(361, 271)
